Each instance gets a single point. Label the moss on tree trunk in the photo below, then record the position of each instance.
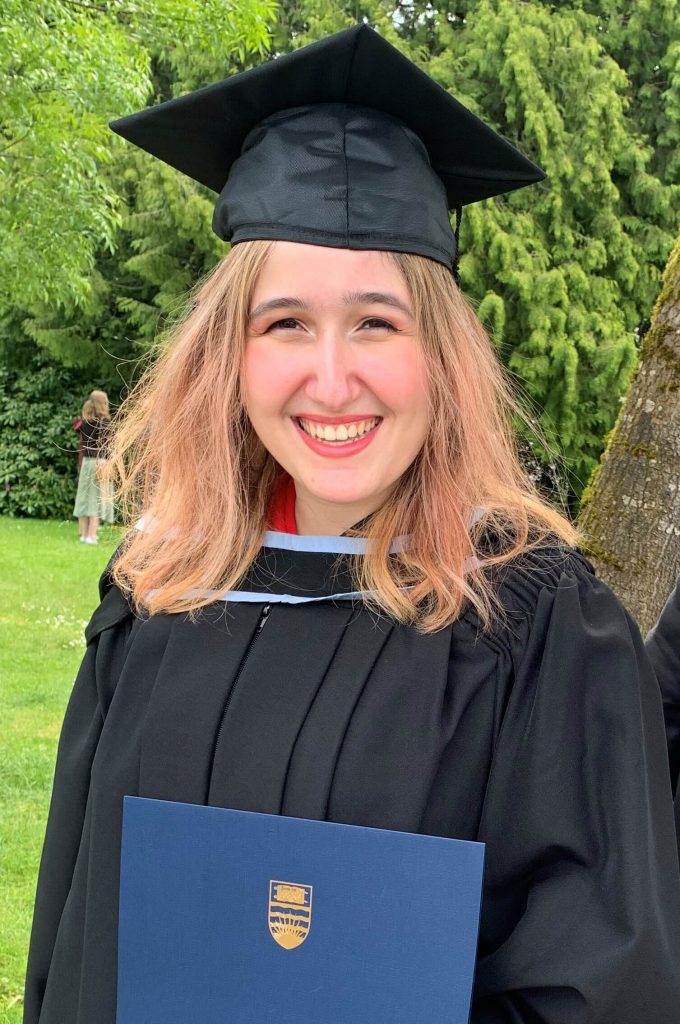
(630, 513)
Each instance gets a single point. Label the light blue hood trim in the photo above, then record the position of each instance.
(323, 545)
(252, 597)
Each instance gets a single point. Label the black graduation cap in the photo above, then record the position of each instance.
(343, 143)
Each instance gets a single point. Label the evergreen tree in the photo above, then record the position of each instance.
(643, 38)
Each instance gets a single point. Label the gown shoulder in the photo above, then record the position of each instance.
(526, 588)
(577, 813)
(540, 571)
(114, 607)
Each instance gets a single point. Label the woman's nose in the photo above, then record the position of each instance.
(332, 382)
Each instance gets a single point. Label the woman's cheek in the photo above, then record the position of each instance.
(271, 374)
(399, 380)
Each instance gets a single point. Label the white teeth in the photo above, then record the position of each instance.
(342, 433)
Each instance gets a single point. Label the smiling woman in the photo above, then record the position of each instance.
(346, 601)
(309, 341)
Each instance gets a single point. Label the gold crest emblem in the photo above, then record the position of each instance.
(290, 913)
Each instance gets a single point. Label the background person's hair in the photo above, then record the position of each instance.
(96, 407)
(186, 456)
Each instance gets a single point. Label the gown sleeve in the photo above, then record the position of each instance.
(581, 923)
(663, 647)
(80, 733)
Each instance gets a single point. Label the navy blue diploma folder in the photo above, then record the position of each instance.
(229, 917)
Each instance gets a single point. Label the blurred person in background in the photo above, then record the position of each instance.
(94, 501)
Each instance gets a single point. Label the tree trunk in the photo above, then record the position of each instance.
(630, 512)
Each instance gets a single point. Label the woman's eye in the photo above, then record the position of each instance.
(373, 323)
(376, 323)
(285, 325)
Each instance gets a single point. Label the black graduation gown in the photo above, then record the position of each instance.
(663, 647)
(543, 739)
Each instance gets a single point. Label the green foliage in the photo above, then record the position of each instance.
(165, 243)
(169, 246)
(38, 446)
(643, 38)
(201, 40)
(573, 282)
(67, 68)
(62, 72)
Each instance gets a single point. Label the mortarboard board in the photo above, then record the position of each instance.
(343, 143)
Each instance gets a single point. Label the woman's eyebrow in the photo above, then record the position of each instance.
(284, 302)
(375, 298)
(349, 299)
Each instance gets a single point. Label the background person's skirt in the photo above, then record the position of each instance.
(93, 497)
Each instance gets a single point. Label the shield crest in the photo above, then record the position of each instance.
(290, 913)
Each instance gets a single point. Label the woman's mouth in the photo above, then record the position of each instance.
(337, 439)
(339, 433)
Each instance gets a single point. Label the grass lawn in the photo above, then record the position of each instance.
(48, 590)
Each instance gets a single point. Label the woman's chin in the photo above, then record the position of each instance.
(345, 498)
(344, 495)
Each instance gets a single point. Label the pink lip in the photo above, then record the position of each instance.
(327, 448)
(332, 421)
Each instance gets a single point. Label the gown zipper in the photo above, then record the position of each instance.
(253, 640)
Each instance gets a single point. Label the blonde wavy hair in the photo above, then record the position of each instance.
(186, 456)
(96, 406)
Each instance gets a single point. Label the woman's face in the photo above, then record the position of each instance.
(334, 378)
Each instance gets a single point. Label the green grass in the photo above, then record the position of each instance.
(48, 590)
